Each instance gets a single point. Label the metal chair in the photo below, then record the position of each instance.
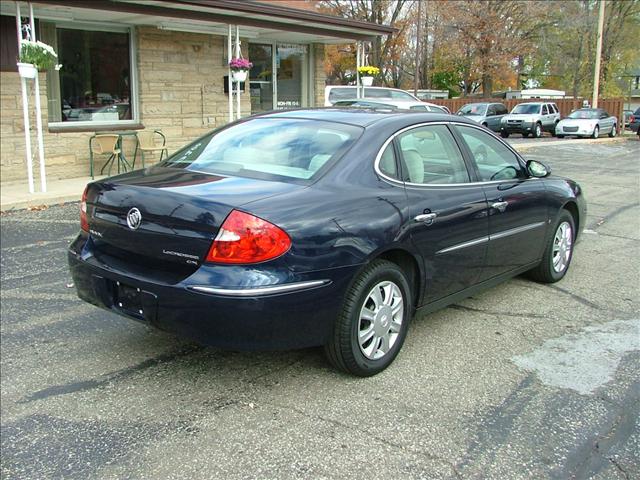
(107, 144)
(147, 143)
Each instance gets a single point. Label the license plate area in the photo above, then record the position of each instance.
(128, 299)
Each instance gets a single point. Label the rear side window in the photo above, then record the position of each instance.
(545, 110)
(388, 164)
(343, 93)
(268, 148)
(431, 156)
(492, 158)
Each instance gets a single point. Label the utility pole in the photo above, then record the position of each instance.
(418, 45)
(596, 73)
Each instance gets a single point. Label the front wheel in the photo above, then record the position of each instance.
(613, 131)
(596, 132)
(373, 323)
(537, 131)
(558, 253)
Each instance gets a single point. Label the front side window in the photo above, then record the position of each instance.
(431, 156)
(94, 84)
(268, 148)
(492, 158)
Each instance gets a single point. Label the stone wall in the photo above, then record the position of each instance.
(181, 93)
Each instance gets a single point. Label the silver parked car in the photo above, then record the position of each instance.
(531, 118)
(391, 105)
(486, 114)
(588, 122)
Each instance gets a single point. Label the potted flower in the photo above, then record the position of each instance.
(36, 56)
(239, 68)
(366, 75)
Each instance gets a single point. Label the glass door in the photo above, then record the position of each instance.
(292, 76)
(261, 77)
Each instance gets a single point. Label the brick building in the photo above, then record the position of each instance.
(161, 65)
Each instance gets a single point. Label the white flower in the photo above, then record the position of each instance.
(58, 66)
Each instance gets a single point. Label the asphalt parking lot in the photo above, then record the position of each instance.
(522, 381)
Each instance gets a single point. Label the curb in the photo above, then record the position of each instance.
(47, 201)
(571, 141)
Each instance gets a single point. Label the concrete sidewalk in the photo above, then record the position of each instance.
(16, 196)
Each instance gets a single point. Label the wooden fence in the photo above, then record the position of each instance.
(615, 106)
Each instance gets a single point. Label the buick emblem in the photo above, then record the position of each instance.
(134, 218)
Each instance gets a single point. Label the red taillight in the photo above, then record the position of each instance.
(631, 118)
(243, 238)
(84, 223)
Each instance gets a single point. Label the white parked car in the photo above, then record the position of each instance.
(391, 105)
(335, 93)
(587, 122)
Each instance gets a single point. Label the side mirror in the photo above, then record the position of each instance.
(538, 169)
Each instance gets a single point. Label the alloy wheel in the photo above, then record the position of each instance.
(380, 320)
(562, 245)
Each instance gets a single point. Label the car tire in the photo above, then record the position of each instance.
(504, 134)
(559, 136)
(553, 132)
(613, 131)
(537, 131)
(525, 135)
(485, 125)
(558, 252)
(596, 132)
(348, 349)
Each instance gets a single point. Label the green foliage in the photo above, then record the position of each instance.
(447, 80)
(39, 54)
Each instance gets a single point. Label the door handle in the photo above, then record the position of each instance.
(426, 218)
(500, 206)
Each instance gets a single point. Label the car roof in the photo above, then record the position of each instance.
(388, 101)
(364, 117)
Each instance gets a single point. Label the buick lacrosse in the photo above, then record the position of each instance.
(322, 227)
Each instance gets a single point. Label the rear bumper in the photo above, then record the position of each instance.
(301, 315)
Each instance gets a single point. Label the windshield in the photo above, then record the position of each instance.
(473, 109)
(527, 108)
(268, 148)
(585, 114)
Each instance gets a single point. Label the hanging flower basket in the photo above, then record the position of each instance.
(239, 75)
(239, 68)
(27, 70)
(366, 75)
(40, 55)
(366, 81)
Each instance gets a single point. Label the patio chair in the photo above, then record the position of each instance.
(147, 143)
(107, 144)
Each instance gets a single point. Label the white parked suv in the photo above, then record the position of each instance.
(335, 93)
(531, 118)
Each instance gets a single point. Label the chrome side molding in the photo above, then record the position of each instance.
(258, 291)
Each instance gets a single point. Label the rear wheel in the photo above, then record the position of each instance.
(559, 252)
(613, 131)
(373, 323)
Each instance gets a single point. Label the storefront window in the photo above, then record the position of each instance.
(95, 80)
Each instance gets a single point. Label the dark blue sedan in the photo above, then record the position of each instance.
(321, 227)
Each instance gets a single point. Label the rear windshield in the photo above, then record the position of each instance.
(530, 108)
(586, 114)
(473, 109)
(268, 148)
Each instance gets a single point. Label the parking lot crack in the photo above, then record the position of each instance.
(369, 434)
(119, 375)
(498, 313)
